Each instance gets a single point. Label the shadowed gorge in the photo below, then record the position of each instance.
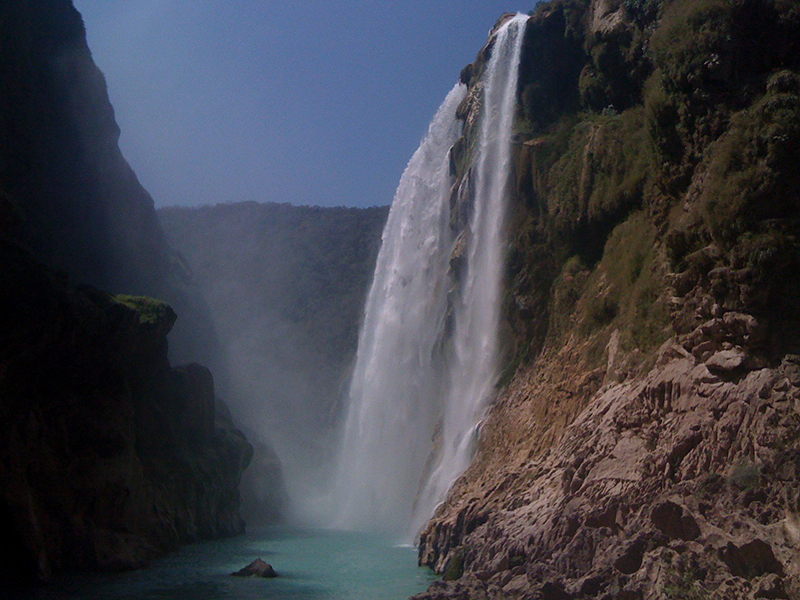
(74, 200)
(110, 455)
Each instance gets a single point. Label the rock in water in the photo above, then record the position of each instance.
(257, 568)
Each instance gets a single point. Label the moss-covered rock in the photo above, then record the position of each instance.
(149, 310)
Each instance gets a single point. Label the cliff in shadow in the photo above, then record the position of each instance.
(286, 286)
(78, 205)
(109, 456)
(645, 436)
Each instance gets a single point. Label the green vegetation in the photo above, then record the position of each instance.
(745, 475)
(752, 172)
(685, 586)
(670, 145)
(151, 311)
(601, 174)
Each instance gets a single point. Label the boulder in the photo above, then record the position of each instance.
(726, 361)
(257, 568)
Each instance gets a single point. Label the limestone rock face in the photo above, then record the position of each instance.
(645, 440)
(681, 471)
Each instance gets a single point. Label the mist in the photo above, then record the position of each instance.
(285, 287)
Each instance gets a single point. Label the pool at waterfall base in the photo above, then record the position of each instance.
(311, 564)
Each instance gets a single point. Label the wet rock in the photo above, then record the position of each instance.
(257, 568)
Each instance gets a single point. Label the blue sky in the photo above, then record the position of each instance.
(303, 102)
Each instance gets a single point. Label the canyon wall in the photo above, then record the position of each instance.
(645, 437)
(110, 455)
(76, 203)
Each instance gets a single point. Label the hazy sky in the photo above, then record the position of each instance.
(318, 102)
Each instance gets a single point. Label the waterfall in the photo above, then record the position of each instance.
(412, 380)
(395, 385)
(473, 364)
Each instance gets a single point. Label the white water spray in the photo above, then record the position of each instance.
(410, 377)
(396, 378)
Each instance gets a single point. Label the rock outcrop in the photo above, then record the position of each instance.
(257, 568)
(684, 480)
(645, 438)
(109, 456)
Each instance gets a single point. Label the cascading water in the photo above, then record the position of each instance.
(395, 384)
(473, 364)
(412, 380)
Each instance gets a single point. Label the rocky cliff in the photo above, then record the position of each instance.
(77, 204)
(109, 456)
(645, 438)
(286, 287)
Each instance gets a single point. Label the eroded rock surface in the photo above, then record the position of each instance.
(644, 439)
(684, 479)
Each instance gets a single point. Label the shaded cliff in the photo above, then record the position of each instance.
(109, 455)
(286, 287)
(79, 206)
(644, 441)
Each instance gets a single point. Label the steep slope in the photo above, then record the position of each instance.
(286, 287)
(79, 206)
(645, 438)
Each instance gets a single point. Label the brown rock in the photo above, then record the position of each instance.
(771, 587)
(726, 361)
(670, 519)
(257, 568)
(751, 559)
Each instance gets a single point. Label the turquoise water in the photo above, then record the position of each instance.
(313, 565)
